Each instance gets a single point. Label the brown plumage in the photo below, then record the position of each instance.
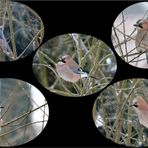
(69, 70)
(141, 41)
(141, 108)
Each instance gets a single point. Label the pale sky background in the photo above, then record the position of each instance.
(132, 14)
(38, 115)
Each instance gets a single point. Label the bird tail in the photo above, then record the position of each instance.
(85, 75)
(94, 77)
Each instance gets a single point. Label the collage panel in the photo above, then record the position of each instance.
(120, 112)
(20, 33)
(74, 65)
(24, 112)
(130, 35)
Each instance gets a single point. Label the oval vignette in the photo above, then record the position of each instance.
(24, 112)
(90, 55)
(115, 113)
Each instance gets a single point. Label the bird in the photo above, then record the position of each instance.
(141, 41)
(69, 70)
(141, 108)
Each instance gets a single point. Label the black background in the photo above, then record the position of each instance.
(70, 119)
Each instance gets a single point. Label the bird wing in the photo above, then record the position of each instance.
(142, 39)
(143, 118)
(74, 67)
(77, 70)
(1, 35)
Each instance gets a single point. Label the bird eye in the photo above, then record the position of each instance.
(135, 105)
(140, 25)
(63, 60)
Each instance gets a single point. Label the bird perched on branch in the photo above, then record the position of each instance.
(141, 108)
(69, 70)
(141, 40)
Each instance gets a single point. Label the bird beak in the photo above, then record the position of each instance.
(138, 25)
(133, 105)
(60, 59)
(1, 107)
(135, 25)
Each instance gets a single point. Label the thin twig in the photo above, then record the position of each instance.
(23, 115)
(11, 30)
